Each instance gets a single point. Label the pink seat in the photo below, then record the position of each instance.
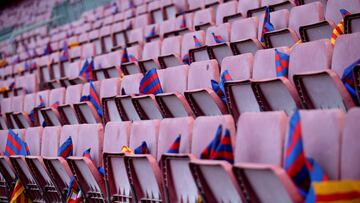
(219, 50)
(130, 83)
(72, 74)
(174, 79)
(51, 115)
(333, 7)
(88, 50)
(188, 47)
(142, 21)
(247, 5)
(94, 38)
(349, 166)
(204, 19)
(106, 39)
(196, 5)
(226, 11)
(318, 79)
(150, 52)
(72, 96)
(44, 71)
(184, 23)
(240, 67)
(170, 52)
(85, 170)
(108, 90)
(156, 12)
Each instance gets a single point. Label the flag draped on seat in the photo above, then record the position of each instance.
(94, 99)
(175, 146)
(87, 154)
(281, 63)
(219, 87)
(211, 147)
(348, 79)
(142, 149)
(66, 148)
(87, 70)
(267, 26)
(150, 83)
(224, 151)
(15, 145)
(151, 34)
(339, 29)
(18, 194)
(218, 39)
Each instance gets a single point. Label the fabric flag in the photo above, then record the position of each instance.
(183, 22)
(210, 149)
(142, 149)
(124, 56)
(64, 52)
(346, 191)
(87, 154)
(267, 26)
(339, 29)
(126, 150)
(219, 88)
(132, 58)
(150, 84)
(218, 39)
(175, 146)
(295, 163)
(66, 148)
(224, 151)
(349, 81)
(55, 105)
(48, 49)
(197, 42)
(281, 63)
(15, 145)
(94, 99)
(87, 70)
(316, 175)
(72, 191)
(151, 34)
(18, 194)
(32, 112)
(186, 59)
(123, 91)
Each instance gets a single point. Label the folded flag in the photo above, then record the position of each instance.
(219, 88)
(87, 154)
(186, 59)
(175, 146)
(295, 163)
(151, 34)
(55, 105)
(87, 70)
(124, 56)
(72, 191)
(150, 84)
(94, 99)
(126, 150)
(18, 194)
(15, 145)
(66, 148)
(218, 39)
(197, 42)
(48, 49)
(210, 149)
(183, 22)
(12, 86)
(348, 79)
(224, 151)
(267, 26)
(281, 63)
(123, 91)
(142, 149)
(339, 29)
(33, 111)
(132, 58)
(64, 52)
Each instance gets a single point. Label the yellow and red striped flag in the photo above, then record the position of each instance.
(339, 29)
(18, 195)
(347, 191)
(126, 150)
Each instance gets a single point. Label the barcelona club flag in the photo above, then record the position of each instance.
(87, 70)
(142, 149)
(15, 145)
(66, 148)
(281, 63)
(175, 146)
(18, 194)
(219, 87)
(150, 84)
(225, 150)
(267, 26)
(210, 149)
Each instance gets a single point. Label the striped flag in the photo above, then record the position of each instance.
(219, 87)
(65, 52)
(48, 49)
(197, 42)
(18, 194)
(186, 59)
(15, 145)
(267, 26)
(151, 34)
(339, 29)
(124, 56)
(94, 99)
(183, 22)
(126, 150)
(66, 148)
(281, 63)
(87, 70)
(87, 154)
(295, 163)
(208, 152)
(150, 84)
(142, 149)
(225, 150)
(73, 191)
(348, 79)
(55, 105)
(218, 39)
(132, 58)
(175, 146)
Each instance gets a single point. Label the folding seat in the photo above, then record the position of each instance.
(97, 24)
(167, 28)
(109, 89)
(333, 7)
(248, 7)
(21, 86)
(276, 5)
(17, 104)
(196, 5)
(88, 50)
(44, 71)
(135, 36)
(54, 46)
(107, 65)
(142, 20)
(134, 54)
(319, 87)
(42, 98)
(108, 20)
(201, 98)
(57, 166)
(129, 14)
(349, 166)
(120, 38)
(218, 49)
(71, 73)
(94, 39)
(66, 111)
(54, 68)
(204, 19)
(150, 53)
(188, 44)
(50, 114)
(226, 12)
(173, 7)
(106, 39)
(116, 135)
(86, 111)
(184, 23)
(83, 38)
(170, 52)
(141, 9)
(84, 169)
(118, 17)
(203, 132)
(147, 186)
(156, 12)
(22, 117)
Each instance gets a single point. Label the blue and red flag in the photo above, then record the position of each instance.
(348, 79)
(225, 150)
(281, 63)
(33, 111)
(197, 42)
(15, 145)
(72, 191)
(94, 99)
(267, 26)
(87, 154)
(65, 52)
(12, 86)
(295, 163)
(150, 84)
(132, 58)
(48, 49)
(151, 34)
(344, 12)
(209, 151)
(87, 70)
(66, 148)
(55, 105)
(186, 59)
(183, 22)
(124, 56)
(142, 149)
(218, 39)
(317, 175)
(219, 87)
(175, 146)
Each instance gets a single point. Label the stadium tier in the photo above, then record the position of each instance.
(180, 101)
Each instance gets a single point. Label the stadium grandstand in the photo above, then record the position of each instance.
(188, 101)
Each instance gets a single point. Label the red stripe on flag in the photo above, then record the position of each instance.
(338, 196)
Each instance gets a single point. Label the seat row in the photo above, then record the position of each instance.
(258, 146)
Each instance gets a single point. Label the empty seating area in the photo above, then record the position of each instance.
(245, 65)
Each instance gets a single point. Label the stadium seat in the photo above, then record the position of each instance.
(226, 12)
(170, 52)
(50, 113)
(109, 89)
(218, 49)
(150, 53)
(204, 19)
(66, 111)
